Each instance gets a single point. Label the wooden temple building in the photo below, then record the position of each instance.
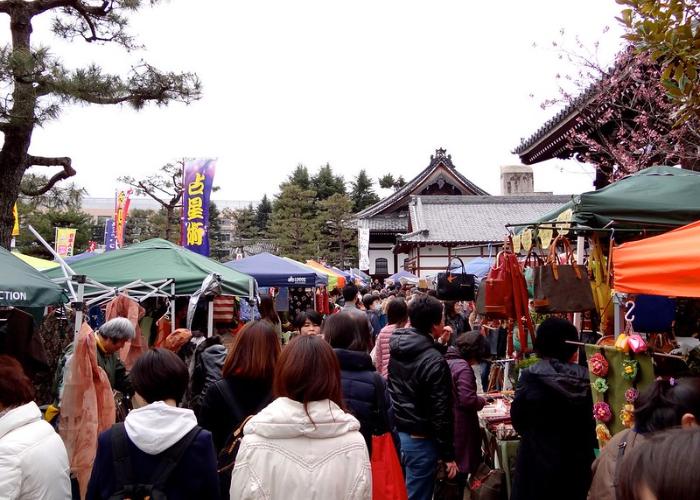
(440, 214)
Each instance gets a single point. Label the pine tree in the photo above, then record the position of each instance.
(300, 177)
(293, 224)
(326, 183)
(46, 222)
(262, 215)
(217, 247)
(246, 227)
(165, 187)
(362, 193)
(338, 237)
(38, 84)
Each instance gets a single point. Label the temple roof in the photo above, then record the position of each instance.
(473, 219)
(441, 171)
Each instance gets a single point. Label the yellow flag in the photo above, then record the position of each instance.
(15, 228)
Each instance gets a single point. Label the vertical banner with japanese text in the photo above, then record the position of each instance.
(110, 236)
(65, 240)
(121, 212)
(363, 245)
(198, 180)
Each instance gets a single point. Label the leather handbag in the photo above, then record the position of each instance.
(497, 291)
(532, 261)
(455, 286)
(562, 288)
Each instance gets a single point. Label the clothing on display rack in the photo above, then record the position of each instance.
(123, 306)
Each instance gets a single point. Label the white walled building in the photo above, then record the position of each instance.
(440, 214)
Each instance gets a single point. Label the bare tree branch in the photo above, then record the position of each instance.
(62, 161)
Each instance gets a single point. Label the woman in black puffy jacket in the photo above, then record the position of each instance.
(364, 390)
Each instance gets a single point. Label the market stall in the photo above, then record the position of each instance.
(272, 271)
(35, 262)
(667, 264)
(24, 286)
(403, 277)
(147, 265)
(334, 279)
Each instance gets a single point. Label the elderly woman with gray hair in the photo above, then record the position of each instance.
(109, 339)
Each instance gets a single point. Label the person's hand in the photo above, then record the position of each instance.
(446, 334)
(451, 469)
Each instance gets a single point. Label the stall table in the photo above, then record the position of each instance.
(500, 439)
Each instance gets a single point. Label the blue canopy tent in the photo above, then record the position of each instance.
(478, 266)
(405, 275)
(272, 271)
(80, 256)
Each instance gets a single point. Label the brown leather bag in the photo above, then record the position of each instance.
(561, 288)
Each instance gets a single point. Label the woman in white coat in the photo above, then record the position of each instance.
(33, 459)
(303, 445)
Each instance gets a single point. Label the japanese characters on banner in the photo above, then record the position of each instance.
(363, 245)
(121, 212)
(65, 240)
(110, 240)
(198, 180)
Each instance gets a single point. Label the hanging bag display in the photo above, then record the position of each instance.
(455, 285)
(561, 288)
(532, 261)
(496, 291)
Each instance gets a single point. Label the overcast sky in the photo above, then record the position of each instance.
(366, 84)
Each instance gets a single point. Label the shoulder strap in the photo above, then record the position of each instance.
(621, 448)
(171, 457)
(124, 472)
(225, 392)
(382, 411)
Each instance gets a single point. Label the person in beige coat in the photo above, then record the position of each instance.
(303, 445)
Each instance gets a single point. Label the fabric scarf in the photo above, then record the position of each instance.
(122, 306)
(87, 407)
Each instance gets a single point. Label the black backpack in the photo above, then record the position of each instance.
(154, 489)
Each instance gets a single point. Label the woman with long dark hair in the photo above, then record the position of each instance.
(246, 387)
(269, 313)
(303, 445)
(362, 385)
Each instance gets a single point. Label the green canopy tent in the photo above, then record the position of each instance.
(653, 197)
(656, 198)
(153, 265)
(23, 286)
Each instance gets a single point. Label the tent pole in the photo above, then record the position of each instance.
(618, 314)
(64, 267)
(210, 317)
(172, 306)
(580, 243)
(78, 305)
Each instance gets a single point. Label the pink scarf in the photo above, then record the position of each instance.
(122, 306)
(87, 407)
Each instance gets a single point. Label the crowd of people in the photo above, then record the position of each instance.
(296, 416)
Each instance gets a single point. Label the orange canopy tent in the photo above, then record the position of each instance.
(668, 264)
(334, 279)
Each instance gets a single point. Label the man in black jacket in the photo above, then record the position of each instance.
(421, 390)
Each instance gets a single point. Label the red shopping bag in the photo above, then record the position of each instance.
(387, 477)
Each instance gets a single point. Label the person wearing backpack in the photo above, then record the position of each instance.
(159, 452)
(246, 387)
(303, 445)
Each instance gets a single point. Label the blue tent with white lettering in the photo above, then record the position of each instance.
(23, 286)
(272, 271)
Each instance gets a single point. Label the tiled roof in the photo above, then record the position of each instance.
(473, 219)
(440, 157)
(549, 141)
(388, 224)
